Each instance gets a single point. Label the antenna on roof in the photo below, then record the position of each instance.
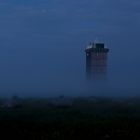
(96, 40)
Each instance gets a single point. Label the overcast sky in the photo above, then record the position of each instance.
(42, 45)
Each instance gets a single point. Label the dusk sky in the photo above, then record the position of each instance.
(42, 45)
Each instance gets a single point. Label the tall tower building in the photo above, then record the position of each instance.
(96, 60)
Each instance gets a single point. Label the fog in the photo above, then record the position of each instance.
(42, 47)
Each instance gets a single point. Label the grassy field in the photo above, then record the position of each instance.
(92, 118)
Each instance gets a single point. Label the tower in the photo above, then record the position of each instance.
(96, 60)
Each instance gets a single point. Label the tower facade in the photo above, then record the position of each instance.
(96, 60)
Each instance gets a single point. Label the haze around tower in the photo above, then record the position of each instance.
(42, 46)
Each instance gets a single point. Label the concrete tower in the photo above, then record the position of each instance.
(96, 60)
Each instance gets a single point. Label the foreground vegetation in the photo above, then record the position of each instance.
(90, 118)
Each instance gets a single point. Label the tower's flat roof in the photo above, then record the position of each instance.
(96, 47)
